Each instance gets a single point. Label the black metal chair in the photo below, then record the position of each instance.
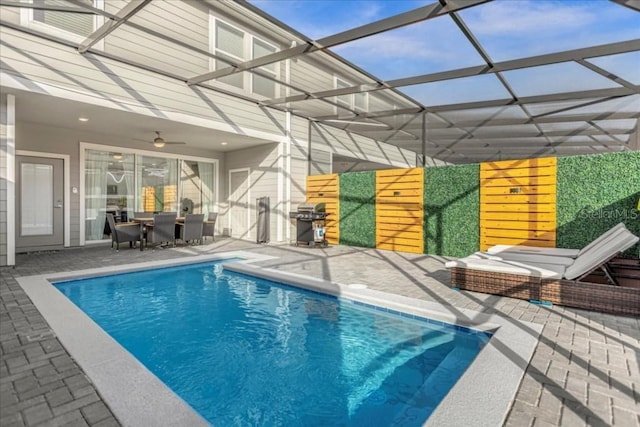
(163, 229)
(143, 214)
(209, 227)
(191, 229)
(123, 232)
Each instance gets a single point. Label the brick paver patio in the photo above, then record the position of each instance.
(585, 371)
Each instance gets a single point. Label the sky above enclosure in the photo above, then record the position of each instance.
(507, 29)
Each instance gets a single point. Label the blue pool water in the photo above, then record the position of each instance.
(249, 352)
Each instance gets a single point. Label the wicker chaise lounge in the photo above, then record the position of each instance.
(552, 278)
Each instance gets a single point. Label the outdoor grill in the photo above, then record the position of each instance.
(310, 224)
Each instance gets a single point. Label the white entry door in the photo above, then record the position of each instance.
(39, 203)
(239, 206)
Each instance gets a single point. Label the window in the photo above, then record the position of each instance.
(261, 85)
(229, 43)
(355, 101)
(72, 26)
(236, 45)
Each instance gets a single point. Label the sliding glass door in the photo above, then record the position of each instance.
(121, 183)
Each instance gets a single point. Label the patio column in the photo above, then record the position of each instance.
(7, 180)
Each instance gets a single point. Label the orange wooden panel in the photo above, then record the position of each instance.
(518, 202)
(518, 234)
(325, 189)
(516, 173)
(519, 198)
(399, 227)
(400, 210)
(524, 189)
(519, 225)
(518, 181)
(518, 207)
(515, 164)
(384, 233)
(396, 192)
(399, 172)
(487, 242)
(401, 221)
(519, 216)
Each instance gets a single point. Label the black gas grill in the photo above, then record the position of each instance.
(310, 224)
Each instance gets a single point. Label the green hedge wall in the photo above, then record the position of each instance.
(452, 210)
(358, 209)
(594, 193)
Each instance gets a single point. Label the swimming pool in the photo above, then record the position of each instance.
(482, 396)
(247, 351)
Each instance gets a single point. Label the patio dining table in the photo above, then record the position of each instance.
(143, 221)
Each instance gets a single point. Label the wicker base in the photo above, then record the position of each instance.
(588, 296)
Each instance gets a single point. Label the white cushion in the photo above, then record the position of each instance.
(475, 262)
(619, 241)
(528, 258)
(570, 253)
(501, 249)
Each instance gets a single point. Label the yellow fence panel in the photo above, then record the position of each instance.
(518, 202)
(325, 189)
(400, 210)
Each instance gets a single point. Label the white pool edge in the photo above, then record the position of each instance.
(481, 397)
(485, 392)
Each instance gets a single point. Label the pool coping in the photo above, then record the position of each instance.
(148, 401)
(482, 396)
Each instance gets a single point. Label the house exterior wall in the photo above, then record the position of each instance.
(41, 138)
(279, 170)
(264, 163)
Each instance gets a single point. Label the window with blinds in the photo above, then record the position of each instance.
(235, 45)
(356, 101)
(81, 24)
(262, 85)
(229, 44)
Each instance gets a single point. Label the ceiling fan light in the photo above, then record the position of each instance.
(158, 142)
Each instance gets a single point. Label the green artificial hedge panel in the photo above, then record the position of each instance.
(358, 209)
(594, 193)
(452, 210)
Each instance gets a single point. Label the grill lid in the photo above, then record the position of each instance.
(312, 207)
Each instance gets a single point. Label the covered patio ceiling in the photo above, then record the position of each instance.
(581, 100)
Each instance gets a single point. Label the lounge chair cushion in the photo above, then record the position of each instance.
(533, 250)
(528, 258)
(619, 241)
(570, 253)
(475, 262)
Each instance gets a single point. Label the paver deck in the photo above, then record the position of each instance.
(585, 371)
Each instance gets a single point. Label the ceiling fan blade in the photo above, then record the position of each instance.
(174, 142)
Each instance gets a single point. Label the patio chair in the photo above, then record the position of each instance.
(143, 214)
(541, 278)
(162, 230)
(209, 227)
(554, 252)
(123, 232)
(191, 229)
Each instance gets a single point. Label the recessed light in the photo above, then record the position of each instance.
(223, 143)
(83, 119)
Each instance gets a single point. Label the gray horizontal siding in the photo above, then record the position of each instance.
(125, 86)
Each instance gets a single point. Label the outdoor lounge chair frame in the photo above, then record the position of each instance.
(571, 293)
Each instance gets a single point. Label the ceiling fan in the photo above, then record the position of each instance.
(159, 142)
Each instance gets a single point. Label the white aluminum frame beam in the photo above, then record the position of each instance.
(43, 6)
(492, 68)
(108, 27)
(420, 14)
